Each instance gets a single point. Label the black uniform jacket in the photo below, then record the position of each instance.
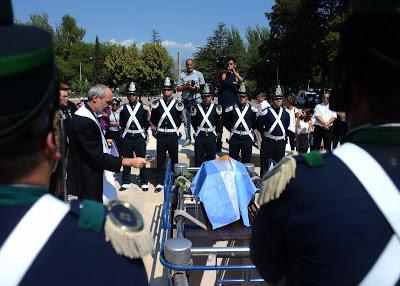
(267, 119)
(86, 161)
(141, 115)
(325, 229)
(214, 118)
(230, 117)
(158, 111)
(73, 256)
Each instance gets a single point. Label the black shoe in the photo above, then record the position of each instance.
(145, 187)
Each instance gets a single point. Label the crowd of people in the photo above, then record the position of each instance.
(268, 125)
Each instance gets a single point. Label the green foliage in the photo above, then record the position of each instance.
(78, 54)
(82, 87)
(157, 64)
(217, 46)
(97, 62)
(255, 38)
(40, 20)
(121, 63)
(148, 67)
(302, 43)
(304, 40)
(155, 37)
(226, 42)
(236, 48)
(67, 35)
(106, 63)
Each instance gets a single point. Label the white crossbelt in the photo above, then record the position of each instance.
(277, 121)
(206, 120)
(134, 119)
(385, 194)
(28, 238)
(241, 120)
(167, 113)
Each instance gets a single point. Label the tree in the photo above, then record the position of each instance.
(155, 64)
(41, 21)
(236, 48)
(67, 35)
(79, 54)
(304, 37)
(217, 46)
(155, 37)
(256, 64)
(121, 62)
(98, 62)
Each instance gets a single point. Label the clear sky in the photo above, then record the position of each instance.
(181, 24)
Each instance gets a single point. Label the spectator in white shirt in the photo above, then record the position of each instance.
(304, 128)
(323, 126)
(290, 103)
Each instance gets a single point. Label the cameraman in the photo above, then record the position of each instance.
(227, 82)
(227, 90)
(189, 84)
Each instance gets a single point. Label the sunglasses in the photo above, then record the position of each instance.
(167, 89)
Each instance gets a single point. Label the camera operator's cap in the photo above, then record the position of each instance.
(206, 89)
(168, 83)
(132, 88)
(26, 58)
(242, 89)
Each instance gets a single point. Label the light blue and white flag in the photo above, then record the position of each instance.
(225, 189)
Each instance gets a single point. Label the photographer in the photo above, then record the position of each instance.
(189, 84)
(227, 81)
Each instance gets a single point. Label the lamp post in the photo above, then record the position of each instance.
(80, 71)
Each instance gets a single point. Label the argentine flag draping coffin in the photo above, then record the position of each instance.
(225, 189)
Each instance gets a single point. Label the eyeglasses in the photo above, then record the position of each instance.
(325, 98)
(167, 89)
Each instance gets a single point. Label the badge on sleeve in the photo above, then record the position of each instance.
(155, 104)
(179, 106)
(193, 111)
(218, 109)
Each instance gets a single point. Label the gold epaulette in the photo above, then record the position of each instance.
(275, 181)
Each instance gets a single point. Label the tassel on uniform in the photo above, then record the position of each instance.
(124, 228)
(275, 181)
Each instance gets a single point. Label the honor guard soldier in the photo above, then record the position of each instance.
(166, 115)
(135, 132)
(45, 241)
(272, 123)
(335, 218)
(206, 121)
(240, 119)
